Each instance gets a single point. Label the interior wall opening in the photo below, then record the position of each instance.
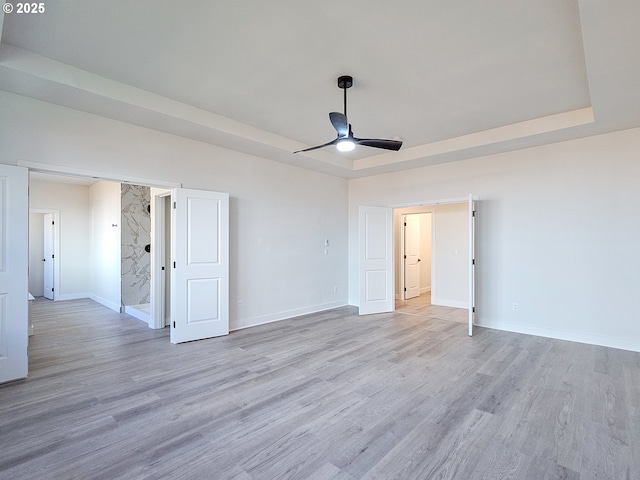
(434, 276)
(127, 259)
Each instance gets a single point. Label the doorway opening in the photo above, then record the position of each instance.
(382, 272)
(44, 241)
(74, 215)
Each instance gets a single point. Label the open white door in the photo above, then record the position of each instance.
(14, 265)
(411, 256)
(472, 263)
(376, 260)
(200, 270)
(48, 256)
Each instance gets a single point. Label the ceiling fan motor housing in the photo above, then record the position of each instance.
(345, 81)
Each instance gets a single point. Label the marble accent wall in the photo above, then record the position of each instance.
(136, 234)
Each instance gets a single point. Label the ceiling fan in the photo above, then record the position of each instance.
(345, 142)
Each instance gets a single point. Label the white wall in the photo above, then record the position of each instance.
(557, 232)
(72, 201)
(451, 256)
(444, 251)
(104, 203)
(280, 215)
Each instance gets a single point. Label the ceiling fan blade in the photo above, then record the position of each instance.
(379, 143)
(332, 142)
(339, 122)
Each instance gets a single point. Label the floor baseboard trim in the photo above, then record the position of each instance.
(448, 303)
(72, 296)
(106, 303)
(580, 337)
(275, 317)
(134, 312)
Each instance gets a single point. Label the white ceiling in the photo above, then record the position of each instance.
(452, 79)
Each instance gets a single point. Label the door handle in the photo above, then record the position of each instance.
(418, 259)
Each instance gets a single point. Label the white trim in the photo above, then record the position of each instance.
(571, 336)
(157, 314)
(113, 306)
(72, 296)
(432, 203)
(449, 303)
(275, 317)
(401, 280)
(110, 177)
(134, 312)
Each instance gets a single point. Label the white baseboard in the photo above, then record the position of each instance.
(275, 317)
(422, 290)
(580, 337)
(134, 312)
(106, 303)
(448, 303)
(72, 296)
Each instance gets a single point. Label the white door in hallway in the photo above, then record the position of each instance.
(376, 260)
(14, 265)
(200, 269)
(411, 256)
(48, 256)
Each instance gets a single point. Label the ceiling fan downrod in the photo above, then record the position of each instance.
(344, 82)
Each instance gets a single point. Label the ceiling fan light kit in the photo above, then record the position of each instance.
(345, 141)
(345, 145)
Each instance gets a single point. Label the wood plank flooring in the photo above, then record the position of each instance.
(324, 396)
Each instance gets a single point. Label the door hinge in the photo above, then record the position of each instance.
(473, 261)
(174, 204)
(405, 257)
(53, 256)
(174, 324)
(405, 289)
(174, 264)
(473, 310)
(162, 268)
(405, 224)
(52, 289)
(52, 222)
(473, 213)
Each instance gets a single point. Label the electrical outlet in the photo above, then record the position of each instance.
(515, 307)
(335, 289)
(326, 242)
(240, 304)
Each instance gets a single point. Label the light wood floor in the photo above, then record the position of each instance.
(324, 396)
(421, 305)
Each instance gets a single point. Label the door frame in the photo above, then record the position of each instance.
(56, 247)
(99, 176)
(400, 255)
(426, 204)
(157, 313)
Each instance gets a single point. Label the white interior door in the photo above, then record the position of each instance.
(376, 260)
(200, 270)
(411, 256)
(14, 265)
(472, 264)
(48, 255)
